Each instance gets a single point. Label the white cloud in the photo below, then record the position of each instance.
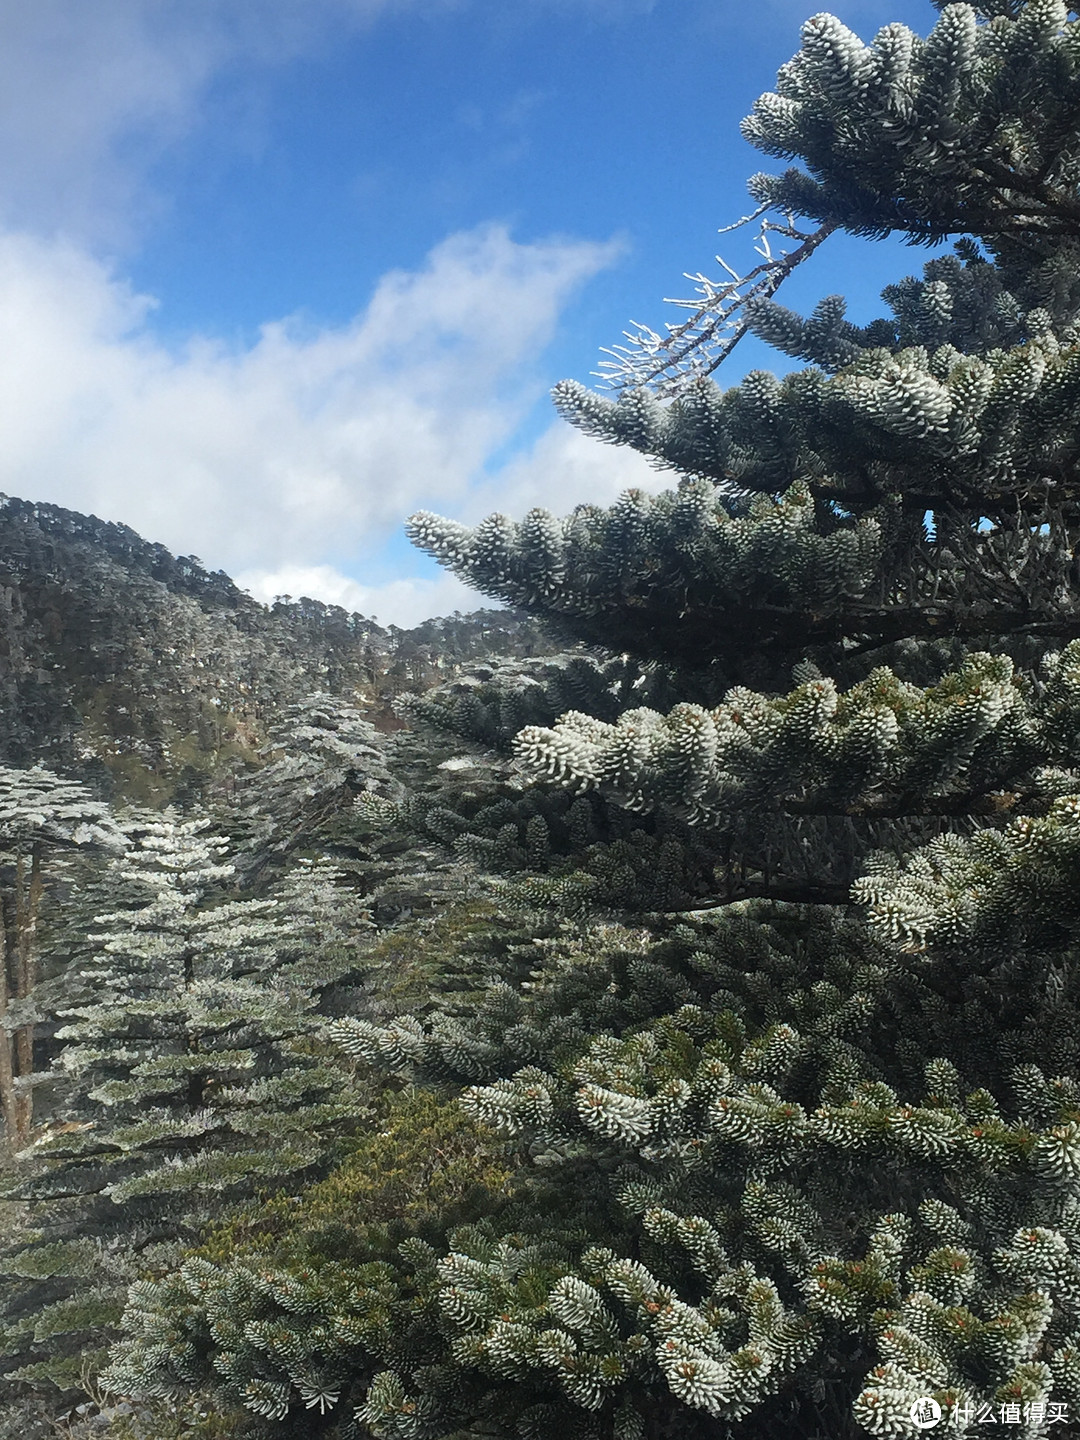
(309, 447)
(317, 582)
(404, 602)
(562, 469)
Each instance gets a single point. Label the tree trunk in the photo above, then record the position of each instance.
(27, 909)
(7, 1060)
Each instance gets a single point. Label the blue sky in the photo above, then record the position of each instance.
(275, 273)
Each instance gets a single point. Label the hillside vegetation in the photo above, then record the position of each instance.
(145, 674)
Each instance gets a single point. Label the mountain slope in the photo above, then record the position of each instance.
(144, 673)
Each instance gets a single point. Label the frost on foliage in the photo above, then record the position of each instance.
(190, 1075)
(762, 1186)
(813, 747)
(690, 545)
(815, 541)
(38, 806)
(991, 888)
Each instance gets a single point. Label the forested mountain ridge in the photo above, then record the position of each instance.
(143, 673)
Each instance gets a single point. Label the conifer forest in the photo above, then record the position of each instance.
(648, 1011)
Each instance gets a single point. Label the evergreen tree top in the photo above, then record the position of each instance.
(970, 131)
(38, 806)
(802, 501)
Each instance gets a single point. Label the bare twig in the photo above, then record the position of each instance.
(697, 347)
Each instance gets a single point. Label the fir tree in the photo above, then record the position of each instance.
(191, 1075)
(321, 755)
(40, 813)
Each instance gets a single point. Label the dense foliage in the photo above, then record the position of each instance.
(673, 1035)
